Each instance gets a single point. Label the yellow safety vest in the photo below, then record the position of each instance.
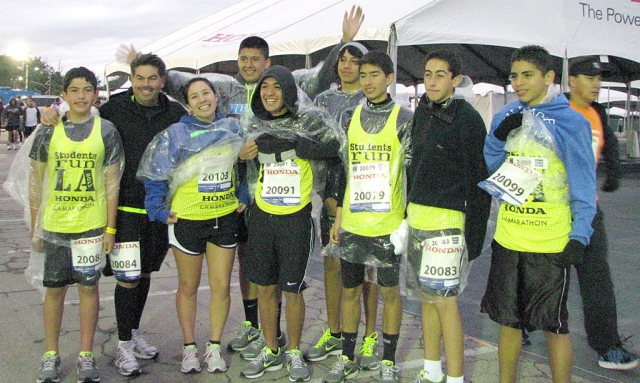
(76, 200)
(366, 148)
(542, 224)
(192, 203)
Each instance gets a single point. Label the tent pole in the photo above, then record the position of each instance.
(632, 135)
(106, 82)
(393, 53)
(564, 86)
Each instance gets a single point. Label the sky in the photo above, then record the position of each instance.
(72, 33)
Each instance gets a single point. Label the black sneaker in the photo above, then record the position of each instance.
(617, 358)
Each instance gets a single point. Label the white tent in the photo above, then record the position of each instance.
(567, 28)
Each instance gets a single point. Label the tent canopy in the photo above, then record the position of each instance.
(482, 32)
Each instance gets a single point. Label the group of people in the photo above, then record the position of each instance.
(20, 120)
(237, 171)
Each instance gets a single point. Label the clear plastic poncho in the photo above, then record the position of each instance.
(186, 151)
(532, 150)
(311, 123)
(68, 191)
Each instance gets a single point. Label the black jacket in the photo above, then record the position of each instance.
(448, 162)
(137, 126)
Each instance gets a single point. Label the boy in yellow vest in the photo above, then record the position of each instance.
(73, 215)
(370, 207)
(539, 236)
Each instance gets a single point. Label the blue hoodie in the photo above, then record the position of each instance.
(572, 135)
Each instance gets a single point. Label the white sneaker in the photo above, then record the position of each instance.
(141, 349)
(125, 360)
(190, 361)
(213, 359)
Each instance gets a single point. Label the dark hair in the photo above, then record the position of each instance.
(534, 54)
(79, 72)
(379, 59)
(13, 101)
(449, 57)
(148, 59)
(256, 43)
(185, 90)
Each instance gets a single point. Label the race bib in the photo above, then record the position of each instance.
(87, 256)
(370, 189)
(125, 261)
(515, 180)
(441, 260)
(215, 178)
(281, 183)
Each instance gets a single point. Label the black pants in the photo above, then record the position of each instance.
(596, 289)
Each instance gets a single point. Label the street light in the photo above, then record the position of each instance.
(20, 51)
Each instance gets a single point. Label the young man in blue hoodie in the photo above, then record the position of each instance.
(536, 243)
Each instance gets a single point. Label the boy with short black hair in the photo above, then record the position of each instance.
(288, 139)
(73, 215)
(370, 207)
(447, 212)
(536, 243)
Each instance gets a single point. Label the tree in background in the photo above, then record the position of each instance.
(42, 76)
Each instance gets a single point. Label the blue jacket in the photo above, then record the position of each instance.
(572, 135)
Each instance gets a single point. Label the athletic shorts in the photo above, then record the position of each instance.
(153, 238)
(278, 248)
(527, 291)
(28, 130)
(191, 237)
(364, 248)
(58, 266)
(11, 128)
(243, 235)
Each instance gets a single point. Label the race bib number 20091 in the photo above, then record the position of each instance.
(281, 183)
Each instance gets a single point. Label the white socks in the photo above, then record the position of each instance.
(459, 379)
(433, 370)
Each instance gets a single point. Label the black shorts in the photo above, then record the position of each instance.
(527, 291)
(278, 248)
(191, 237)
(58, 266)
(153, 238)
(28, 130)
(363, 248)
(243, 234)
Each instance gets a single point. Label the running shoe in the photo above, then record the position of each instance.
(213, 359)
(389, 372)
(255, 348)
(141, 349)
(298, 370)
(245, 336)
(368, 354)
(421, 378)
(342, 369)
(190, 360)
(126, 362)
(266, 361)
(49, 371)
(618, 358)
(326, 345)
(87, 370)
